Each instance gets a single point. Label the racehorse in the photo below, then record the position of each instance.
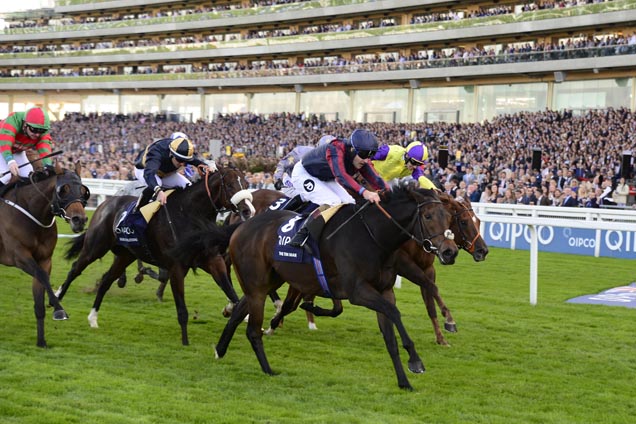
(201, 202)
(28, 230)
(356, 244)
(416, 262)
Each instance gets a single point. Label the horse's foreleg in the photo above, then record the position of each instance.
(366, 295)
(216, 267)
(238, 314)
(119, 265)
(38, 308)
(449, 323)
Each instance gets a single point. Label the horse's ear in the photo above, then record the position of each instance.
(78, 167)
(58, 168)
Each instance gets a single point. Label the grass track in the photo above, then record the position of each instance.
(510, 362)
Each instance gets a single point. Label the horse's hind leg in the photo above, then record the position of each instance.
(163, 282)
(238, 314)
(176, 284)
(87, 256)
(119, 265)
(289, 305)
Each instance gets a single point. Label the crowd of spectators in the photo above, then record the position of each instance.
(581, 156)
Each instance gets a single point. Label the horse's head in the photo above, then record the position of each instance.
(232, 191)
(70, 197)
(465, 225)
(432, 226)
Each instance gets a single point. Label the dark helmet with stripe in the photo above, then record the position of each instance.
(182, 149)
(364, 143)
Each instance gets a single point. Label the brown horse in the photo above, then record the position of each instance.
(356, 245)
(412, 260)
(186, 209)
(28, 230)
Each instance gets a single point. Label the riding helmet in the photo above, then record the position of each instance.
(364, 143)
(417, 152)
(182, 149)
(178, 134)
(37, 117)
(326, 139)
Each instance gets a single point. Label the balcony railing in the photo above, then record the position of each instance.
(495, 59)
(612, 6)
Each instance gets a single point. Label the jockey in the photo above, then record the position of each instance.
(397, 162)
(324, 175)
(19, 132)
(158, 164)
(282, 174)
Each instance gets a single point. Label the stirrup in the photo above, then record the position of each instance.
(297, 242)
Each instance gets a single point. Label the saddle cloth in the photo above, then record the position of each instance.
(130, 228)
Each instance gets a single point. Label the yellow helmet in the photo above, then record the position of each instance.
(182, 149)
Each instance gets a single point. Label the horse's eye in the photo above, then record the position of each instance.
(62, 190)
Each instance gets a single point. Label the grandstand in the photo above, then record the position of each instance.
(366, 61)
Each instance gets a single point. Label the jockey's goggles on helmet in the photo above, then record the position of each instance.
(36, 130)
(365, 154)
(414, 162)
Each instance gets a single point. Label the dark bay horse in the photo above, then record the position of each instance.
(418, 263)
(353, 259)
(185, 209)
(28, 230)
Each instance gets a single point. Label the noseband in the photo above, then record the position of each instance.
(467, 245)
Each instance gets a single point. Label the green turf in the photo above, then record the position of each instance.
(510, 362)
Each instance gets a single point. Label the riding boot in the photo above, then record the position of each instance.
(312, 226)
(294, 203)
(144, 198)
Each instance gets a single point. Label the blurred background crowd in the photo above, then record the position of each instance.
(581, 157)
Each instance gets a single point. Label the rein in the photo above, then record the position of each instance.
(426, 243)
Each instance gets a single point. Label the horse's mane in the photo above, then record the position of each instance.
(405, 188)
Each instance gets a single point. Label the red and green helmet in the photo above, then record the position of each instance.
(37, 117)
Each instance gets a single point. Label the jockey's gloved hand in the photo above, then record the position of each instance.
(49, 170)
(278, 184)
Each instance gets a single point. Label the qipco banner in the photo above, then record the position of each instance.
(616, 244)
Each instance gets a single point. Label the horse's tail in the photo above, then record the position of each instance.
(76, 245)
(211, 241)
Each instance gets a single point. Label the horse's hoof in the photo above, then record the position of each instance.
(312, 326)
(160, 297)
(216, 354)
(60, 315)
(269, 332)
(139, 278)
(406, 386)
(121, 283)
(451, 328)
(416, 367)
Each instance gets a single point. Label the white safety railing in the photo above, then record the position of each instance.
(531, 216)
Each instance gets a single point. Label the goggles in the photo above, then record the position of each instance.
(36, 130)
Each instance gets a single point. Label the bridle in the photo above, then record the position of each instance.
(466, 244)
(223, 190)
(416, 223)
(61, 202)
